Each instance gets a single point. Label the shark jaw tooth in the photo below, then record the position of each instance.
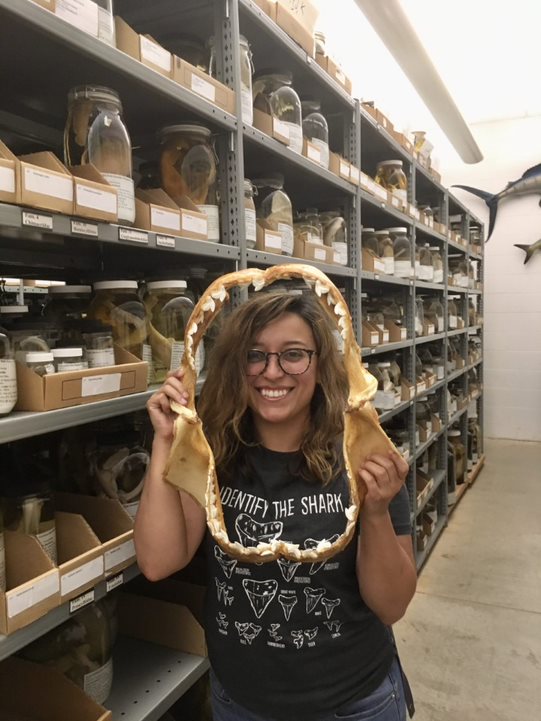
(351, 512)
(258, 284)
(320, 288)
(340, 310)
(209, 305)
(219, 294)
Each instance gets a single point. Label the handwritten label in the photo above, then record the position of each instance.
(165, 218)
(155, 55)
(194, 224)
(85, 573)
(44, 182)
(120, 554)
(96, 199)
(203, 88)
(31, 596)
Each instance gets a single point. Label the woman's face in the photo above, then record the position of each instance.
(274, 396)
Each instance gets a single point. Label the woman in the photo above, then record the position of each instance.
(287, 641)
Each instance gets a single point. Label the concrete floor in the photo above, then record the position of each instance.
(471, 639)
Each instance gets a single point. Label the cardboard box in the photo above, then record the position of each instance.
(370, 334)
(292, 24)
(203, 85)
(339, 166)
(304, 248)
(334, 69)
(266, 6)
(305, 12)
(82, 14)
(272, 126)
(312, 152)
(436, 423)
(93, 197)
(371, 263)
(36, 691)
(74, 388)
(270, 241)
(407, 389)
(111, 524)
(429, 524)
(396, 332)
(48, 4)
(422, 541)
(156, 211)
(143, 48)
(80, 555)
(424, 486)
(9, 176)
(45, 183)
(32, 583)
(354, 175)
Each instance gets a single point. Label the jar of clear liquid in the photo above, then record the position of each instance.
(8, 380)
(274, 95)
(274, 209)
(246, 73)
(402, 252)
(386, 250)
(315, 130)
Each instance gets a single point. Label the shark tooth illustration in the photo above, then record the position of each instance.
(228, 599)
(313, 543)
(333, 626)
(312, 597)
(226, 562)
(273, 632)
(221, 587)
(241, 627)
(287, 601)
(311, 633)
(252, 632)
(221, 621)
(260, 594)
(330, 605)
(252, 533)
(288, 568)
(298, 638)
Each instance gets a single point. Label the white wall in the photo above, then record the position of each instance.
(512, 368)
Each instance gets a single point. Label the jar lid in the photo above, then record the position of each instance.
(248, 185)
(115, 285)
(454, 434)
(382, 232)
(67, 352)
(384, 364)
(183, 128)
(397, 230)
(367, 230)
(276, 180)
(384, 163)
(158, 284)
(39, 357)
(94, 92)
(15, 309)
(61, 289)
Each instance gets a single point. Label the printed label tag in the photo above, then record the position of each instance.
(86, 573)
(203, 88)
(120, 554)
(165, 241)
(194, 224)
(154, 54)
(114, 582)
(83, 14)
(96, 199)
(135, 236)
(313, 153)
(97, 385)
(81, 601)
(280, 128)
(44, 182)
(36, 220)
(165, 218)
(81, 228)
(7, 180)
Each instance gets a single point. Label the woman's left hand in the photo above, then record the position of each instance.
(382, 476)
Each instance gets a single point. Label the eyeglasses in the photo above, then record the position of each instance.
(293, 361)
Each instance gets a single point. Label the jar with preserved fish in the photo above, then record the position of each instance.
(274, 95)
(315, 130)
(390, 175)
(386, 250)
(402, 252)
(274, 209)
(246, 73)
(335, 233)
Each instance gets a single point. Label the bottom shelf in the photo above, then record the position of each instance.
(460, 491)
(472, 475)
(423, 555)
(148, 679)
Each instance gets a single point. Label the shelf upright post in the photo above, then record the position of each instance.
(352, 150)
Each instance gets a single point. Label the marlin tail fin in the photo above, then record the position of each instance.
(490, 199)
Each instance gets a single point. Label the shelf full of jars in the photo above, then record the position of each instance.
(151, 146)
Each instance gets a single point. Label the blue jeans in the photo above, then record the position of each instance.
(386, 703)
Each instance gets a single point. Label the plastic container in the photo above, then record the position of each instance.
(386, 250)
(390, 175)
(41, 363)
(274, 208)
(69, 359)
(402, 252)
(98, 343)
(250, 224)
(246, 72)
(116, 304)
(437, 263)
(168, 308)
(315, 129)
(188, 165)
(95, 133)
(335, 233)
(8, 383)
(426, 264)
(273, 94)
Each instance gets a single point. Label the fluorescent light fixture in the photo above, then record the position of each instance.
(391, 23)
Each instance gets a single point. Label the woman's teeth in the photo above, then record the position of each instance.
(273, 393)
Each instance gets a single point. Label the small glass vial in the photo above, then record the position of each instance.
(98, 344)
(69, 359)
(386, 250)
(316, 131)
(402, 252)
(41, 363)
(437, 263)
(250, 225)
(275, 209)
(8, 381)
(390, 175)
(273, 94)
(426, 267)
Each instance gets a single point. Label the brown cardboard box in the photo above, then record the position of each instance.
(111, 524)
(80, 555)
(266, 6)
(143, 48)
(32, 583)
(312, 251)
(33, 690)
(339, 166)
(370, 334)
(45, 183)
(333, 69)
(93, 197)
(155, 210)
(48, 4)
(9, 175)
(429, 524)
(305, 12)
(312, 152)
(407, 390)
(396, 332)
(270, 241)
(293, 26)
(74, 388)
(202, 84)
(422, 541)
(424, 486)
(271, 126)
(371, 263)
(354, 175)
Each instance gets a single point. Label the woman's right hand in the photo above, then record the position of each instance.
(159, 405)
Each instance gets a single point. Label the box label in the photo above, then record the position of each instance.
(97, 385)
(280, 128)
(106, 26)
(165, 241)
(154, 54)
(38, 591)
(273, 241)
(81, 228)
(288, 240)
(313, 153)
(96, 199)
(340, 76)
(203, 88)
(39, 180)
(135, 236)
(340, 250)
(320, 254)
(126, 195)
(250, 225)
(165, 218)
(344, 169)
(120, 554)
(83, 14)
(7, 180)
(194, 224)
(213, 221)
(85, 599)
(354, 174)
(114, 582)
(80, 576)
(37, 220)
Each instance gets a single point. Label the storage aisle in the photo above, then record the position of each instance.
(471, 639)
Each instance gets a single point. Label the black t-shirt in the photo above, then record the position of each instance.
(292, 641)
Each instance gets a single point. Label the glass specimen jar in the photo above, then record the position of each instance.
(426, 264)
(454, 438)
(384, 399)
(8, 382)
(246, 73)
(168, 308)
(250, 226)
(316, 130)
(273, 94)
(116, 304)
(98, 343)
(402, 252)
(309, 223)
(452, 310)
(149, 175)
(274, 208)
(188, 165)
(437, 263)
(40, 362)
(419, 316)
(335, 233)
(369, 240)
(67, 302)
(434, 314)
(386, 250)
(69, 359)
(29, 508)
(95, 133)
(188, 47)
(390, 175)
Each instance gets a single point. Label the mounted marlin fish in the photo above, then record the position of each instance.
(528, 184)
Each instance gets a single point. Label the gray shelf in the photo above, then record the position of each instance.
(423, 171)
(474, 291)
(429, 231)
(456, 374)
(423, 555)
(439, 476)
(454, 418)
(457, 246)
(453, 200)
(386, 347)
(380, 205)
(457, 331)
(432, 388)
(387, 415)
(422, 448)
(15, 641)
(382, 278)
(429, 338)
(474, 328)
(393, 144)
(260, 257)
(475, 363)
(474, 256)
(429, 286)
(148, 679)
